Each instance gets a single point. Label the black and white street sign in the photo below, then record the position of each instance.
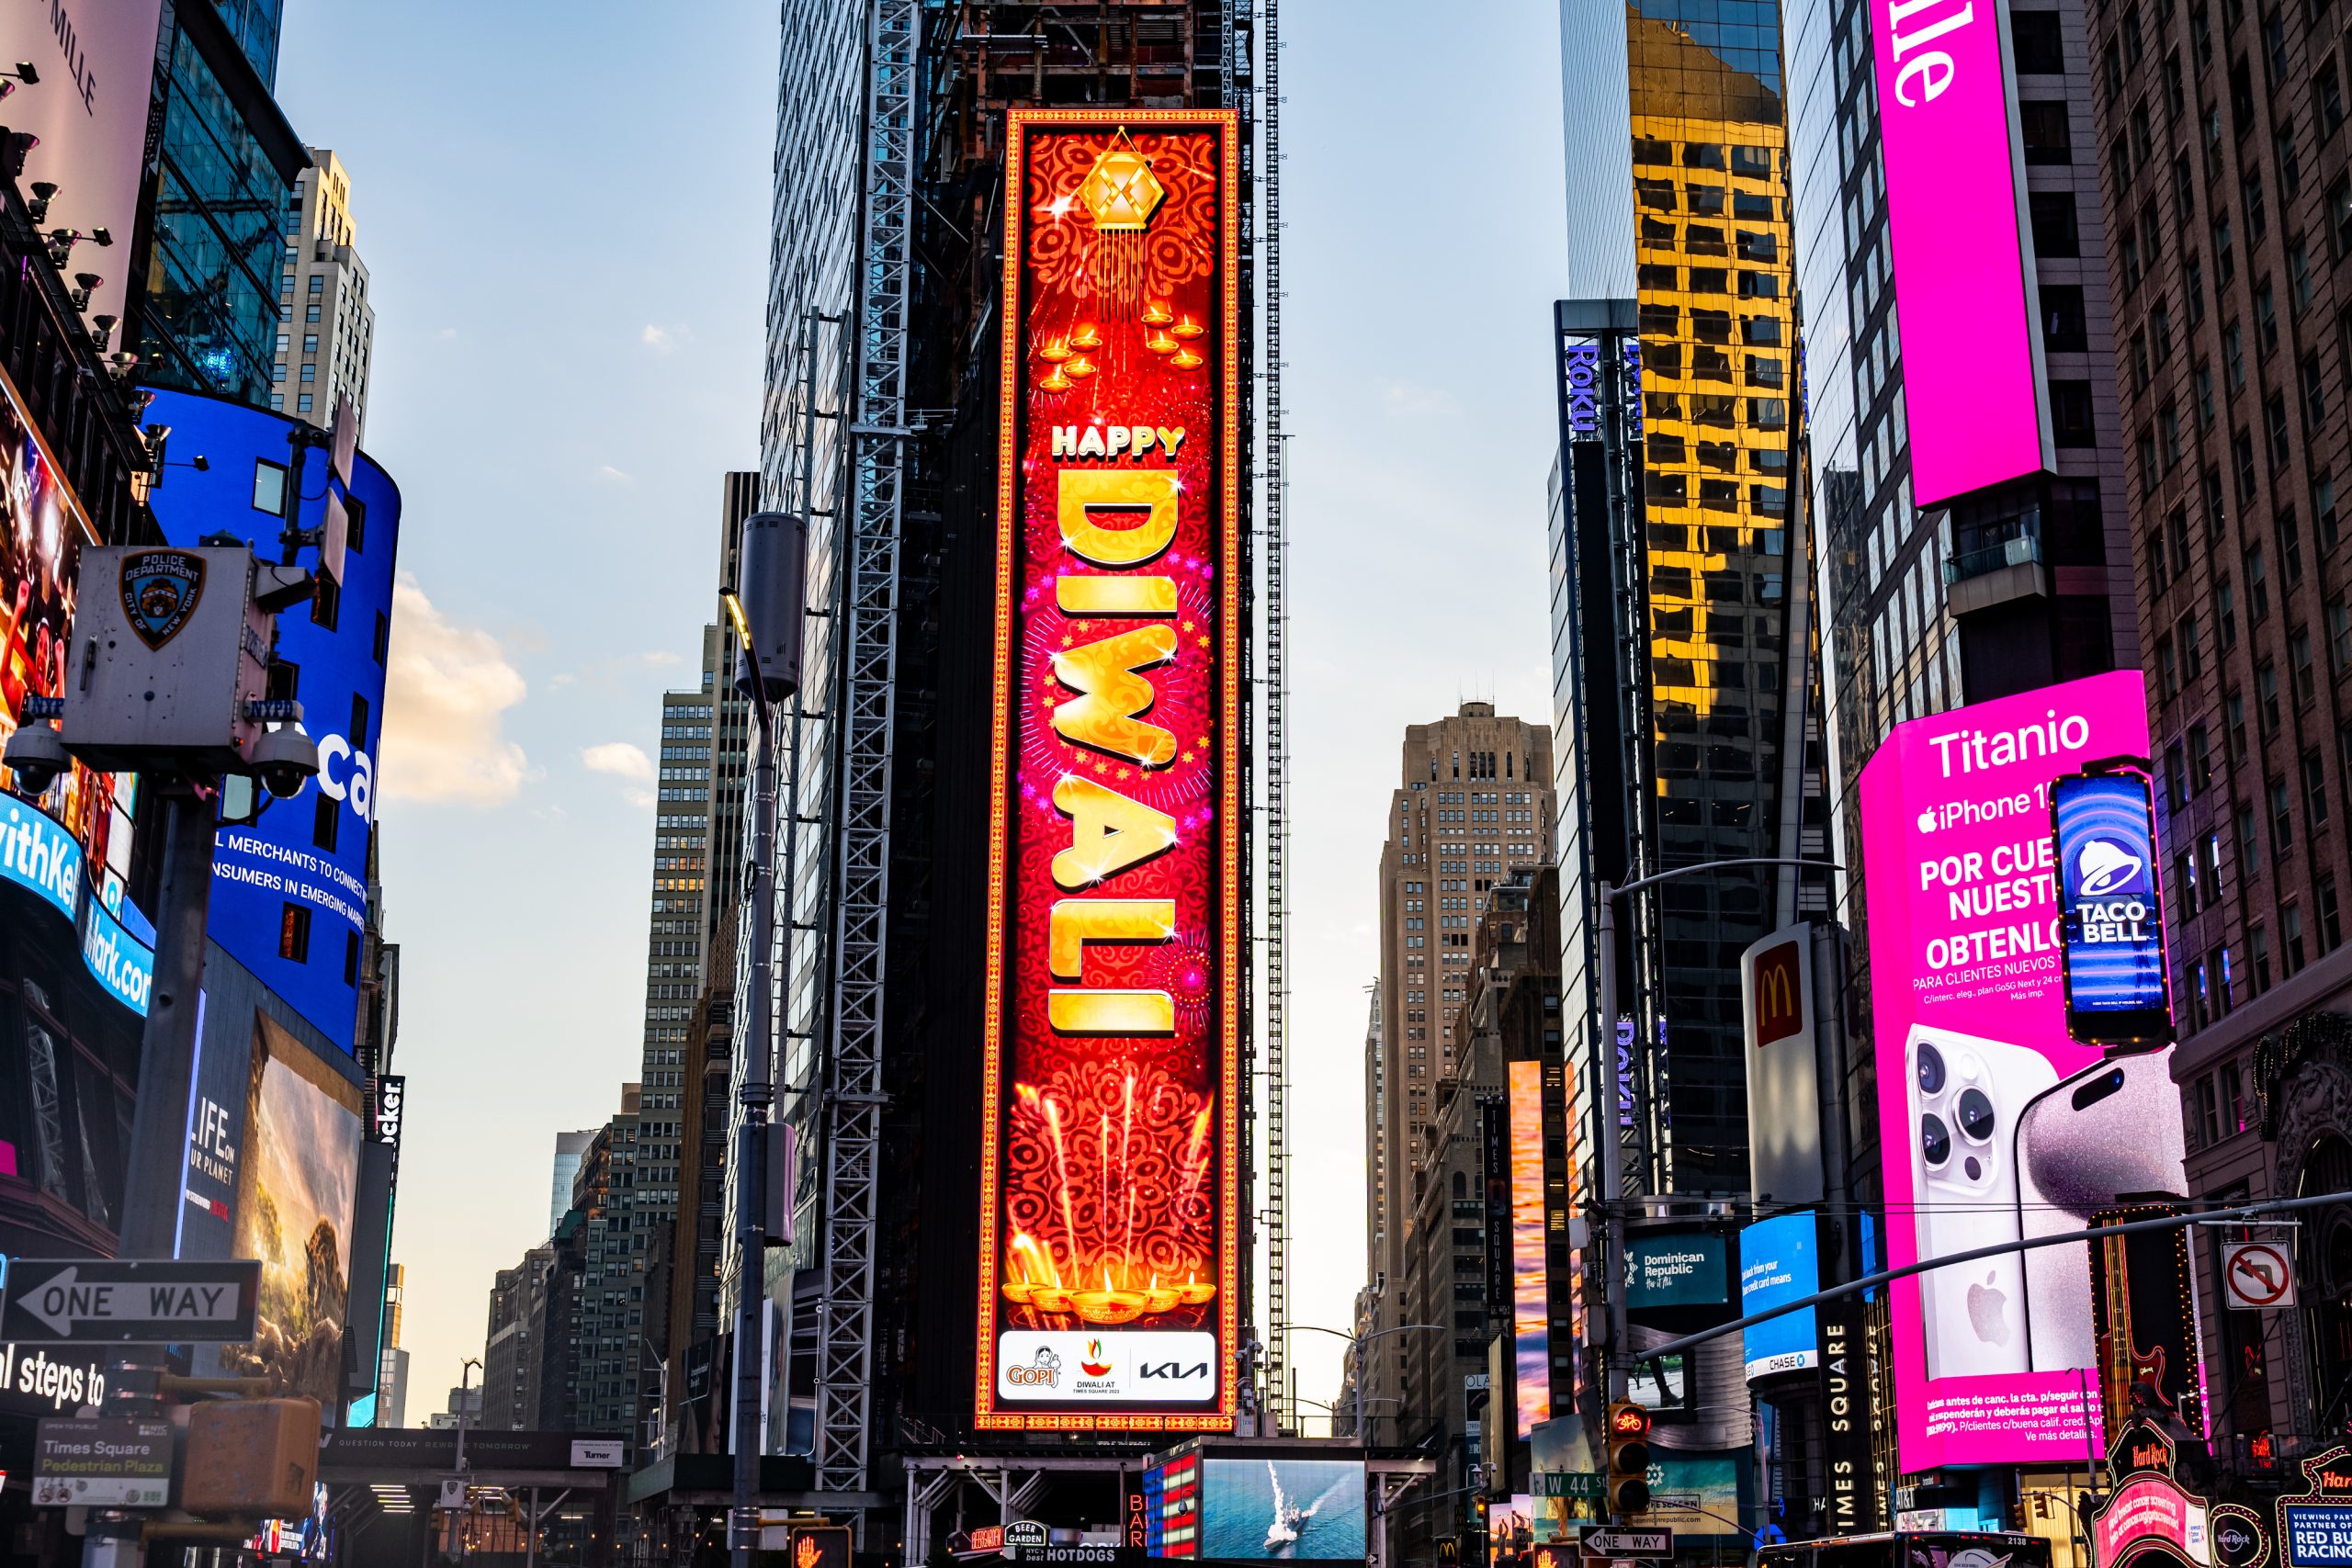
(1602, 1542)
(2256, 1275)
(102, 1300)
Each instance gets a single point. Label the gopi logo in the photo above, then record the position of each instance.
(1043, 1371)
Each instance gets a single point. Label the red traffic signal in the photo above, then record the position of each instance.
(1629, 1459)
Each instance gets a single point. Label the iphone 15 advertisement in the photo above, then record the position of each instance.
(2005, 1109)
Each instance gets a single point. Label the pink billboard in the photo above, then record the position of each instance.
(1996, 1124)
(1963, 278)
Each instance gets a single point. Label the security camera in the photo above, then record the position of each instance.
(284, 760)
(36, 755)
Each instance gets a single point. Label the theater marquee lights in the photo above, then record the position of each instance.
(1110, 1178)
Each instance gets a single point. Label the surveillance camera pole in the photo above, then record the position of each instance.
(151, 1184)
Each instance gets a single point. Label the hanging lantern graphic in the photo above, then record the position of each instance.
(1120, 193)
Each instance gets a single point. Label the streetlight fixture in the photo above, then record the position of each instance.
(1613, 1172)
(1363, 1339)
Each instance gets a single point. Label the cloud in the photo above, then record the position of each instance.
(663, 658)
(448, 689)
(611, 475)
(662, 340)
(618, 757)
(639, 796)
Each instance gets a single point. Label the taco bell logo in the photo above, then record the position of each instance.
(2107, 867)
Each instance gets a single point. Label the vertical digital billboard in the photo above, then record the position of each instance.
(289, 890)
(1111, 1137)
(1998, 1124)
(1531, 1302)
(1956, 219)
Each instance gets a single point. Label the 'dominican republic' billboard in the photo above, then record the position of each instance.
(1109, 1154)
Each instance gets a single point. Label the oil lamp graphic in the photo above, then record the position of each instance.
(1109, 1206)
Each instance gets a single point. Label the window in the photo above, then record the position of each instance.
(2323, 508)
(2224, 259)
(2040, 47)
(2340, 636)
(2048, 139)
(2290, 169)
(2257, 956)
(2242, 453)
(2282, 820)
(310, 313)
(2257, 215)
(309, 342)
(2327, 95)
(2314, 393)
(2299, 271)
(2266, 689)
(2290, 939)
(2274, 415)
(2234, 356)
(2071, 418)
(2192, 661)
(2257, 585)
(2055, 230)
(318, 283)
(294, 933)
(2233, 725)
(2290, 549)
(2266, 316)
(2225, 620)
(326, 821)
(2064, 327)
(2200, 381)
(269, 487)
(2315, 792)
(2200, 759)
(2299, 659)
(2331, 918)
(302, 403)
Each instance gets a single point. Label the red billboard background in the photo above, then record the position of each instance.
(1110, 1254)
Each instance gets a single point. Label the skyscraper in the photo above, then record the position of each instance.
(1474, 802)
(2224, 135)
(569, 1149)
(211, 253)
(327, 328)
(1679, 670)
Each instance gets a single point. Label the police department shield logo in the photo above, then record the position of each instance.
(160, 591)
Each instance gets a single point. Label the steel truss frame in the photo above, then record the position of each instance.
(868, 707)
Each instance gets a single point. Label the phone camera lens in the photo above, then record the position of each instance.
(1976, 1115)
(1975, 1169)
(1931, 1070)
(1935, 1139)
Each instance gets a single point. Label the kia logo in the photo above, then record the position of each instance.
(1175, 1370)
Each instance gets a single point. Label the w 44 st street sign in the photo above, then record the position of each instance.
(102, 1301)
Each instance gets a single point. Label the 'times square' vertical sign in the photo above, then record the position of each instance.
(1109, 1176)
(1955, 194)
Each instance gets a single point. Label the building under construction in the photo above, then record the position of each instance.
(881, 427)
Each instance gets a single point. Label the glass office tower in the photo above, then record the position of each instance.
(1678, 673)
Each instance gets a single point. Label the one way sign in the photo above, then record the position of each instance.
(100, 1301)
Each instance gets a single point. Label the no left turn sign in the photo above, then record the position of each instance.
(2257, 1275)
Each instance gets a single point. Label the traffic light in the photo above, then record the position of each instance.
(1629, 1459)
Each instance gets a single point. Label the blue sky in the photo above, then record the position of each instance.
(563, 212)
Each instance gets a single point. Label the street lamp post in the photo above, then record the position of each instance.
(1363, 1339)
(768, 609)
(1613, 1172)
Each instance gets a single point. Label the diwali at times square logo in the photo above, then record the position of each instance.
(1109, 1173)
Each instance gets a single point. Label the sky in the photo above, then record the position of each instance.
(563, 212)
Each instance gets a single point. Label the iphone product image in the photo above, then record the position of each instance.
(2111, 1129)
(2110, 917)
(1966, 1096)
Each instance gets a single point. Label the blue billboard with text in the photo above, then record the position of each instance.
(289, 890)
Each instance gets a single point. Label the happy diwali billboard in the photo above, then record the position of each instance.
(1110, 1178)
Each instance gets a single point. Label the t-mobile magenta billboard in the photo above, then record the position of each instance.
(1964, 284)
(1997, 1124)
